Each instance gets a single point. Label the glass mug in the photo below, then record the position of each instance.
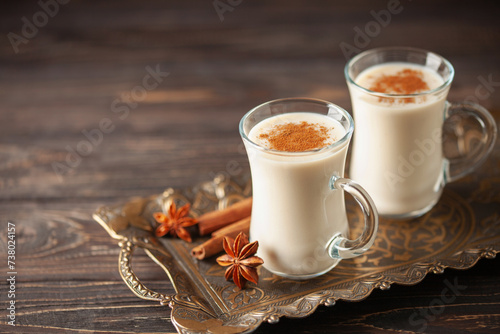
(298, 211)
(397, 152)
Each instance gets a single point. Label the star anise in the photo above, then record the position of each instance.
(240, 259)
(174, 222)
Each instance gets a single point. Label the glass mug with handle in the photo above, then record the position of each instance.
(298, 212)
(399, 104)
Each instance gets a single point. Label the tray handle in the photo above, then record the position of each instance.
(178, 301)
(131, 279)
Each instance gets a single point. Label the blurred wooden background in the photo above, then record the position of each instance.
(104, 100)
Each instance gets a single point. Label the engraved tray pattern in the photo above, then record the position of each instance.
(456, 233)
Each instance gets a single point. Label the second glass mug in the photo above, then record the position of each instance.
(397, 152)
(298, 210)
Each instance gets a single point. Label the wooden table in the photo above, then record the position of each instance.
(103, 101)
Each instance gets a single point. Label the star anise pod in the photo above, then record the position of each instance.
(174, 222)
(240, 259)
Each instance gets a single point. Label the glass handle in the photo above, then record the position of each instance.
(471, 145)
(342, 248)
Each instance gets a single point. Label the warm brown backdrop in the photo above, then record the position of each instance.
(64, 78)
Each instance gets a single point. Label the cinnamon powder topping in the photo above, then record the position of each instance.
(406, 81)
(297, 137)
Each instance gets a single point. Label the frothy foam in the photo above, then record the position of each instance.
(297, 132)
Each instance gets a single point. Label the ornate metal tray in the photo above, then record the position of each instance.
(455, 234)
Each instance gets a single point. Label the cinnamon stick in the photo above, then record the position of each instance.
(214, 220)
(214, 245)
(240, 225)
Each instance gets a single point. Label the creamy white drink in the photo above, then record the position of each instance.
(295, 212)
(397, 149)
(297, 150)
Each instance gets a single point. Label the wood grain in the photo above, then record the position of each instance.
(68, 78)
